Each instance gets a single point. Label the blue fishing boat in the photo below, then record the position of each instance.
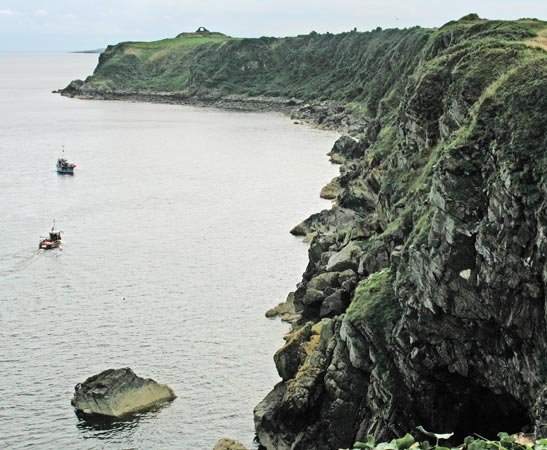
(64, 166)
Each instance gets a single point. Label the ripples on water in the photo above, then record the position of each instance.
(176, 242)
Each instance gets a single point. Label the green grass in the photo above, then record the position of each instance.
(163, 65)
(375, 308)
(174, 42)
(181, 40)
(422, 226)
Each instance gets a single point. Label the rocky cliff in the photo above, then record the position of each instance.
(423, 302)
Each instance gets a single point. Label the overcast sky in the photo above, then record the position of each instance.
(46, 25)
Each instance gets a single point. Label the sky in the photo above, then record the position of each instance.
(67, 25)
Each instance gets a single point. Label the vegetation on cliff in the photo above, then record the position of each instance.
(375, 309)
(424, 298)
(357, 68)
(445, 191)
(504, 441)
(155, 66)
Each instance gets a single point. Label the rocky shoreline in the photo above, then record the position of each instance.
(423, 301)
(325, 114)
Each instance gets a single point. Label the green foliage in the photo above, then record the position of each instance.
(471, 16)
(422, 226)
(369, 444)
(373, 296)
(484, 61)
(505, 442)
(437, 436)
(386, 142)
(405, 442)
(369, 72)
(374, 309)
(151, 66)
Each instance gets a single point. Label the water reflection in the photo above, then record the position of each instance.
(103, 427)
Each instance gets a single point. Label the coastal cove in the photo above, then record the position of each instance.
(423, 300)
(177, 241)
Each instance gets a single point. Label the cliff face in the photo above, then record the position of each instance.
(427, 281)
(423, 302)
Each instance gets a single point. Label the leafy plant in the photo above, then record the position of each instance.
(407, 442)
(437, 436)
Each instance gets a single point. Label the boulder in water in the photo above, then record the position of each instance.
(229, 444)
(114, 393)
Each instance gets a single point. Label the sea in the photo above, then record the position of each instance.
(176, 241)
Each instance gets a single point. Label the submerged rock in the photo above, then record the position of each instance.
(331, 190)
(229, 444)
(285, 310)
(117, 392)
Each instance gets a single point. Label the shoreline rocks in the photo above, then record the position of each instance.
(285, 310)
(115, 393)
(229, 444)
(326, 115)
(331, 190)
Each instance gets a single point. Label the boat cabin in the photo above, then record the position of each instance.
(55, 235)
(64, 166)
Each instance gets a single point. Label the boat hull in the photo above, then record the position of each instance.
(65, 170)
(48, 245)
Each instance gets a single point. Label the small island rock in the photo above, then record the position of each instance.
(117, 392)
(229, 444)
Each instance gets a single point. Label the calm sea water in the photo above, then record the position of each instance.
(176, 243)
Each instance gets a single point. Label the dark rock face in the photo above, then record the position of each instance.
(428, 278)
(116, 392)
(73, 88)
(347, 148)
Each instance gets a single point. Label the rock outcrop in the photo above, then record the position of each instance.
(115, 393)
(285, 310)
(229, 444)
(428, 277)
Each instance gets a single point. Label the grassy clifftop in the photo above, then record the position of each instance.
(349, 67)
(359, 68)
(157, 66)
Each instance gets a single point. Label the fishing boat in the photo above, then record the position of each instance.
(52, 241)
(64, 166)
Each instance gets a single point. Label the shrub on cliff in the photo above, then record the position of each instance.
(505, 442)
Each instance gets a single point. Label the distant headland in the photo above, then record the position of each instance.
(97, 50)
